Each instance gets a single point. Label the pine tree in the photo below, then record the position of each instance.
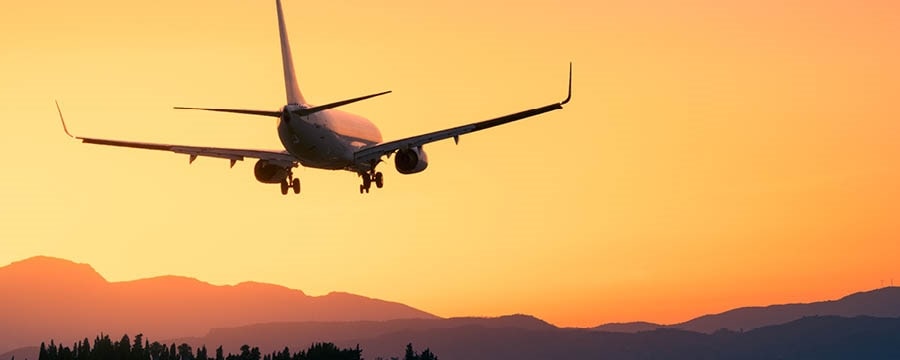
(410, 353)
(51, 351)
(123, 348)
(427, 355)
(138, 352)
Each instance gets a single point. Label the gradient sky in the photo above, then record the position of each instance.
(716, 154)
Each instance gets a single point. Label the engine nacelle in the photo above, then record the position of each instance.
(270, 173)
(411, 161)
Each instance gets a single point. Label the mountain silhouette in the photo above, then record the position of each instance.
(884, 302)
(49, 298)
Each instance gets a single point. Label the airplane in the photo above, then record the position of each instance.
(323, 137)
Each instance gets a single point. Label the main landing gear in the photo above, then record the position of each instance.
(290, 182)
(368, 179)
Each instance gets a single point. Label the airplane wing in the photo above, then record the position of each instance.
(374, 153)
(234, 155)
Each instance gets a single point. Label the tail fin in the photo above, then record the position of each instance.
(294, 97)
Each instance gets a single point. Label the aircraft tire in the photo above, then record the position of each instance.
(296, 186)
(284, 187)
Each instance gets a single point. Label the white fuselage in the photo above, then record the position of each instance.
(326, 139)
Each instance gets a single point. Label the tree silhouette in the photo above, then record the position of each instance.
(185, 352)
(137, 349)
(411, 354)
(140, 349)
(328, 351)
(158, 351)
(123, 347)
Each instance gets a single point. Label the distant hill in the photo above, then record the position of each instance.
(24, 353)
(48, 298)
(884, 302)
(821, 338)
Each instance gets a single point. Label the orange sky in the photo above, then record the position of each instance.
(716, 154)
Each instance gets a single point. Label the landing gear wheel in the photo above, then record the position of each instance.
(296, 186)
(379, 180)
(284, 187)
(367, 183)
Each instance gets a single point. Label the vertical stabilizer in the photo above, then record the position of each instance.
(294, 97)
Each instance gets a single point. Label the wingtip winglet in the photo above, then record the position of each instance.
(569, 95)
(63, 121)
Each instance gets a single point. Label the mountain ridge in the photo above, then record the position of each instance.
(61, 299)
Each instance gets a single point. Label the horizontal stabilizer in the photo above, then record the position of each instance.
(315, 109)
(237, 111)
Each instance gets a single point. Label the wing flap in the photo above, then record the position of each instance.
(194, 151)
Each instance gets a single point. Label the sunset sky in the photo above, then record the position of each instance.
(715, 154)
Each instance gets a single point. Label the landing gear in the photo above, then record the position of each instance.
(290, 183)
(368, 179)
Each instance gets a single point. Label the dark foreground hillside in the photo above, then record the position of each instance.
(807, 338)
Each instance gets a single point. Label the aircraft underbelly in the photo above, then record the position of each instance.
(314, 146)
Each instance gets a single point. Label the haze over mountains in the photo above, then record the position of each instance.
(48, 298)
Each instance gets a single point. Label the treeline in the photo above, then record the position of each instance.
(103, 348)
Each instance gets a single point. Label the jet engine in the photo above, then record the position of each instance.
(268, 173)
(411, 161)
